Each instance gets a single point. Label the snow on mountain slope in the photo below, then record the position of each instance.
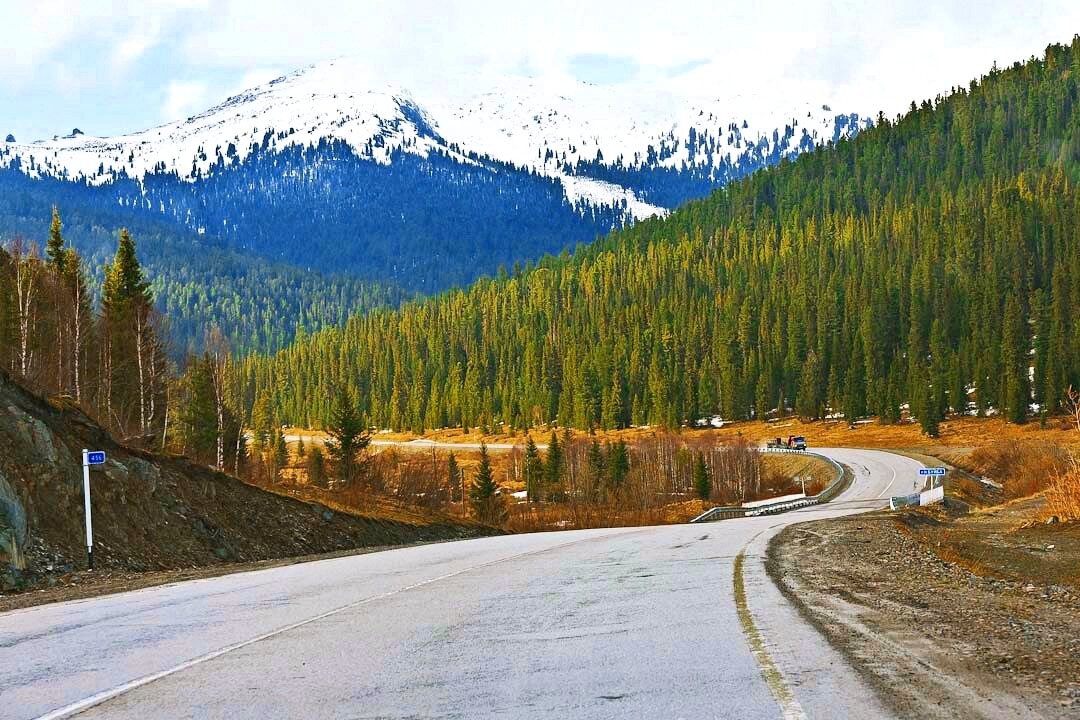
(545, 126)
(578, 121)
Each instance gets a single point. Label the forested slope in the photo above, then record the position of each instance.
(198, 280)
(930, 260)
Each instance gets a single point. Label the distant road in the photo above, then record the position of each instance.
(657, 622)
(423, 444)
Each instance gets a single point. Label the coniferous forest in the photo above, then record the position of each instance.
(933, 261)
(198, 281)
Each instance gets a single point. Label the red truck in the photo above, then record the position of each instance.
(794, 442)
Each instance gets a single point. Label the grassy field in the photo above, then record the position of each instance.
(1024, 459)
(955, 433)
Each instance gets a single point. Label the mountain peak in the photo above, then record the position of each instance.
(576, 132)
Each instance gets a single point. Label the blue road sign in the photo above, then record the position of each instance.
(932, 471)
(95, 458)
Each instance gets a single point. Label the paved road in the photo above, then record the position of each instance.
(633, 622)
(420, 444)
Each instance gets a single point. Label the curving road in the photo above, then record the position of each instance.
(659, 622)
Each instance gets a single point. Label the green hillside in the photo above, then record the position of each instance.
(932, 260)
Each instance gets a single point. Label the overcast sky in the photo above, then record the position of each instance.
(115, 67)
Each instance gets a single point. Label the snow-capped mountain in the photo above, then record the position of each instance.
(600, 143)
(328, 170)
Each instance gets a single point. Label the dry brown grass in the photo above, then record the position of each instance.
(958, 434)
(782, 469)
(1063, 494)
(1022, 467)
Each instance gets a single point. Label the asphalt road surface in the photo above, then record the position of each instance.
(631, 622)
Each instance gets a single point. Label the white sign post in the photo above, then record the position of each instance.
(88, 459)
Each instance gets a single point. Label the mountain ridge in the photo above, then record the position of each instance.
(526, 123)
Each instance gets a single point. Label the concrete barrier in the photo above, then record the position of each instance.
(931, 496)
(926, 497)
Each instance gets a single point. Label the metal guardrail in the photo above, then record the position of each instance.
(724, 513)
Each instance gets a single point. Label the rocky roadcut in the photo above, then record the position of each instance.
(151, 513)
(935, 638)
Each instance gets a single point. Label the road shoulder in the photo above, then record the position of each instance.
(933, 638)
(819, 676)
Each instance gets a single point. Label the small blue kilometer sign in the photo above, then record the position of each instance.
(95, 458)
(931, 471)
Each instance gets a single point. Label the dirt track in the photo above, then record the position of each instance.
(973, 617)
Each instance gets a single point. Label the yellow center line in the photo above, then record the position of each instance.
(790, 707)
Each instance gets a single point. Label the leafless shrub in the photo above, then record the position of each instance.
(1072, 405)
(1063, 493)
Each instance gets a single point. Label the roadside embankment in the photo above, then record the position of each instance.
(151, 513)
(947, 615)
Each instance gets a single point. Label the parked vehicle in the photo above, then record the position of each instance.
(794, 442)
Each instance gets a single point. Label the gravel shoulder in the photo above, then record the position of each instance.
(972, 616)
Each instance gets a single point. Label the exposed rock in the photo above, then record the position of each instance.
(150, 512)
(12, 527)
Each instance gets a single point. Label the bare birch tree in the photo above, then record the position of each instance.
(27, 281)
(217, 350)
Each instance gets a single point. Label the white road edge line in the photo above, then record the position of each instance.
(891, 481)
(105, 695)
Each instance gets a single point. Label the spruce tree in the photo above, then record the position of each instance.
(54, 249)
(317, 466)
(809, 401)
(612, 413)
(534, 472)
(855, 385)
(702, 486)
(1014, 354)
(133, 355)
(281, 452)
(618, 465)
(553, 469)
(125, 284)
(597, 468)
(482, 492)
(453, 475)
(196, 415)
(761, 399)
(924, 404)
(348, 437)
(262, 423)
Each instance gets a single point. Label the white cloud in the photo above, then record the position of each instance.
(868, 56)
(855, 55)
(31, 35)
(137, 41)
(183, 98)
